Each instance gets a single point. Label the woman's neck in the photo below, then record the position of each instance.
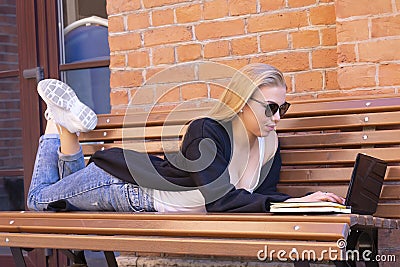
(241, 136)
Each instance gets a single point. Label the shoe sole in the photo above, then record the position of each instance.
(61, 95)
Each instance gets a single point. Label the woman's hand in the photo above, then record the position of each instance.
(318, 196)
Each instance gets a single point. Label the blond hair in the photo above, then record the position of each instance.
(242, 86)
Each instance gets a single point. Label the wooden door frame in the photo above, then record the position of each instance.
(37, 48)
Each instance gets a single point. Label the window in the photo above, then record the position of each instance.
(84, 51)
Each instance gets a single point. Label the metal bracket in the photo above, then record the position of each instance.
(33, 73)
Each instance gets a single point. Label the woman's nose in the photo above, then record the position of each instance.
(276, 117)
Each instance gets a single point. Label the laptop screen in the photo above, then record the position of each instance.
(366, 184)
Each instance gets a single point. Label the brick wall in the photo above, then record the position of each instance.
(368, 35)
(325, 48)
(10, 123)
(299, 37)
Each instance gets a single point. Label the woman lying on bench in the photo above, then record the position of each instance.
(229, 161)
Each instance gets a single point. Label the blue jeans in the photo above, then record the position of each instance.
(64, 177)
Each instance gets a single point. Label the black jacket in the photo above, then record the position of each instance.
(202, 163)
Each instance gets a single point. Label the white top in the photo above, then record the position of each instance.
(193, 200)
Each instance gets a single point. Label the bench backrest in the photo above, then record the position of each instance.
(319, 142)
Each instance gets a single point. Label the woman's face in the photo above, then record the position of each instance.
(253, 115)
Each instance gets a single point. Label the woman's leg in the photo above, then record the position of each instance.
(61, 175)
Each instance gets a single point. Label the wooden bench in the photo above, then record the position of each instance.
(319, 142)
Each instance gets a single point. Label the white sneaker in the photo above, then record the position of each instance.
(64, 107)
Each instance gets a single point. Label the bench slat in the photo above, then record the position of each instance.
(271, 230)
(154, 118)
(390, 210)
(338, 122)
(151, 147)
(338, 156)
(339, 139)
(312, 108)
(191, 246)
(313, 175)
(389, 192)
(170, 131)
(350, 219)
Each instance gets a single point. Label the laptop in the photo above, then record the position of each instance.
(365, 184)
(362, 194)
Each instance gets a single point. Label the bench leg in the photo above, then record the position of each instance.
(301, 264)
(18, 257)
(110, 257)
(77, 257)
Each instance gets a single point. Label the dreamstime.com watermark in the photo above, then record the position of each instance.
(331, 254)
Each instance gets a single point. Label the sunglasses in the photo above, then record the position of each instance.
(271, 108)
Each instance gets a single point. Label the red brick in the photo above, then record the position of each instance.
(388, 26)
(350, 31)
(234, 63)
(164, 107)
(163, 55)
(128, 41)
(210, 71)
(328, 36)
(294, 97)
(345, 8)
(210, 30)
(116, 24)
(356, 76)
(126, 79)
(389, 74)
(244, 46)
(324, 58)
(188, 13)
(268, 5)
(308, 81)
(167, 35)
(119, 98)
(162, 17)
(119, 6)
(194, 91)
(274, 41)
(216, 90)
(159, 3)
(242, 7)
(355, 94)
(117, 61)
(189, 52)
(331, 82)
(323, 15)
(277, 21)
(380, 50)
(152, 73)
(288, 82)
(215, 9)
(346, 53)
(216, 49)
(167, 93)
(142, 96)
(175, 74)
(300, 3)
(291, 61)
(138, 59)
(138, 21)
(306, 38)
